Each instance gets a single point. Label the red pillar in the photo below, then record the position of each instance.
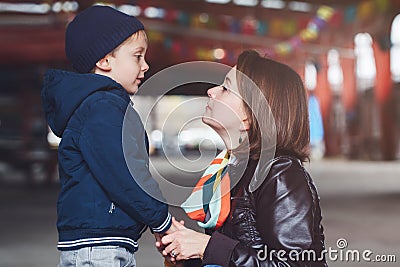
(383, 97)
(349, 92)
(324, 95)
(352, 113)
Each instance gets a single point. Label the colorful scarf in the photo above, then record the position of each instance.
(209, 202)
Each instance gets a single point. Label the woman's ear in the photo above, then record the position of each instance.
(104, 64)
(245, 125)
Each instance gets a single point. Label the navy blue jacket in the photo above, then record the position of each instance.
(100, 201)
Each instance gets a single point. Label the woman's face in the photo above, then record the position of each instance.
(225, 108)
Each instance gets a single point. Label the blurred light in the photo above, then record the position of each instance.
(395, 31)
(218, 1)
(335, 72)
(184, 137)
(57, 6)
(70, 6)
(153, 12)
(365, 61)
(395, 50)
(75, 6)
(335, 77)
(161, 13)
(395, 66)
(300, 6)
(275, 4)
(25, 8)
(333, 57)
(310, 75)
(156, 136)
(203, 17)
(219, 53)
(130, 10)
(199, 137)
(246, 2)
(363, 39)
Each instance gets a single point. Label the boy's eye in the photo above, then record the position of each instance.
(138, 57)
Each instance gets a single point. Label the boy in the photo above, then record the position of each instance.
(102, 211)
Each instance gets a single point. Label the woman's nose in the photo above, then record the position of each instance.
(211, 92)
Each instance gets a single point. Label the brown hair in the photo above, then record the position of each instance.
(132, 37)
(282, 88)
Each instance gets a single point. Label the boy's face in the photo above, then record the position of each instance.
(127, 63)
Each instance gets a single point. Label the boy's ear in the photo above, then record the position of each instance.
(104, 64)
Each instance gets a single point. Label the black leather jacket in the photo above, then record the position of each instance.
(267, 227)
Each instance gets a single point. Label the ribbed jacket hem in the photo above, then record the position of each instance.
(76, 239)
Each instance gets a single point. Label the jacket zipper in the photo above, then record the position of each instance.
(112, 208)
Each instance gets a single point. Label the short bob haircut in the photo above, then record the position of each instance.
(283, 90)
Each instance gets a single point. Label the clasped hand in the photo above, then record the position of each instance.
(181, 243)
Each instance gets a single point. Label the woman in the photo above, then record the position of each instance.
(274, 217)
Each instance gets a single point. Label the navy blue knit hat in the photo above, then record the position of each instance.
(94, 33)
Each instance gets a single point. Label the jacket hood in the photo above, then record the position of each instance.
(64, 91)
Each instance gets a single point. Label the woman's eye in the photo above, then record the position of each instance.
(224, 88)
(138, 57)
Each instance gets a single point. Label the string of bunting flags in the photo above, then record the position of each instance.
(298, 31)
(323, 16)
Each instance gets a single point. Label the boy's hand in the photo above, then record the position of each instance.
(159, 244)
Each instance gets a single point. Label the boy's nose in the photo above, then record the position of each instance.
(145, 67)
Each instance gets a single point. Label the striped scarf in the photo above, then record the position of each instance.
(209, 202)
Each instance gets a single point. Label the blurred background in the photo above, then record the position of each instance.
(346, 51)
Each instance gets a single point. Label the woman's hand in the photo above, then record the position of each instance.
(172, 229)
(160, 247)
(184, 243)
